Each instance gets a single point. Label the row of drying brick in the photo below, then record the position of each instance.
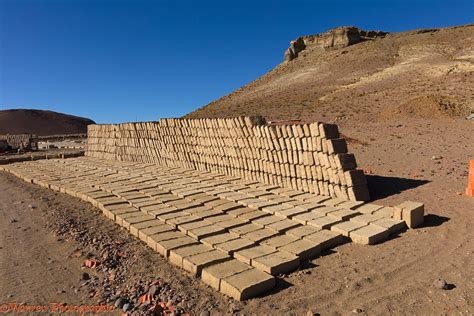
(413, 212)
(296, 151)
(276, 265)
(320, 212)
(234, 127)
(184, 251)
(350, 184)
(253, 233)
(217, 269)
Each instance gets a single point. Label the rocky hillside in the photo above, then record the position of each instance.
(351, 73)
(41, 122)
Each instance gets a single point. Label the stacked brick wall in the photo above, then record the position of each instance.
(306, 157)
(26, 141)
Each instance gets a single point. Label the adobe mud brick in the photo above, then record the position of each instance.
(158, 210)
(394, 226)
(410, 212)
(205, 231)
(324, 222)
(219, 218)
(355, 177)
(175, 222)
(301, 231)
(290, 212)
(369, 235)
(305, 217)
(113, 213)
(267, 220)
(164, 247)
(304, 249)
(343, 214)
(386, 211)
(168, 216)
(366, 218)
(344, 228)
(214, 240)
(122, 218)
(160, 228)
(276, 263)
(153, 239)
(337, 145)
(278, 241)
(136, 227)
(283, 225)
(244, 229)
(326, 239)
(250, 216)
(231, 246)
(232, 223)
(196, 263)
(185, 228)
(275, 208)
(259, 235)
(237, 212)
(247, 284)
(213, 274)
(177, 255)
(248, 254)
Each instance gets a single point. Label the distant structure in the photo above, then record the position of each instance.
(336, 38)
(20, 141)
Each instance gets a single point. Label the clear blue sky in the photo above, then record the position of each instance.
(132, 60)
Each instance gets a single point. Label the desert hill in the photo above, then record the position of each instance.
(351, 73)
(39, 122)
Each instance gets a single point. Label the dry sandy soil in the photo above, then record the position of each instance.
(399, 101)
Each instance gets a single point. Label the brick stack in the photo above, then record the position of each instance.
(305, 157)
(26, 141)
(101, 141)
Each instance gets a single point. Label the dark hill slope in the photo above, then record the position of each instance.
(39, 122)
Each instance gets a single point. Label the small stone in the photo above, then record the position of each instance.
(31, 206)
(9, 295)
(126, 307)
(357, 311)
(85, 276)
(120, 302)
(153, 290)
(310, 313)
(436, 157)
(205, 313)
(440, 284)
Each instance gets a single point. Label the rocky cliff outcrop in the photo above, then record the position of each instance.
(336, 38)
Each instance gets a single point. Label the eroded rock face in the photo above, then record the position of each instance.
(296, 46)
(336, 38)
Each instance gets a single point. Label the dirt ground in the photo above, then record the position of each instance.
(414, 159)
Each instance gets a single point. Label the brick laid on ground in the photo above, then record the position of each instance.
(195, 263)
(369, 235)
(276, 263)
(248, 254)
(326, 238)
(246, 284)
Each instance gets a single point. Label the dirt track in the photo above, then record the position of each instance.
(395, 277)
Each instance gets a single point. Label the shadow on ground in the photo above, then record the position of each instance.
(381, 187)
(432, 220)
